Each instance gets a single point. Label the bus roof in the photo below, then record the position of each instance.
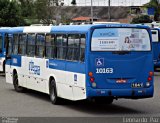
(4, 29)
(68, 28)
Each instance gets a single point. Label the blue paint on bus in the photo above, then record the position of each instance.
(117, 73)
(156, 47)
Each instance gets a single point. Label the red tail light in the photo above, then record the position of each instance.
(92, 79)
(149, 78)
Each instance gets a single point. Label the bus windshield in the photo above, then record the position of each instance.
(120, 39)
(154, 35)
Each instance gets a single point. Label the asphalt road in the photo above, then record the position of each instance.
(35, 104)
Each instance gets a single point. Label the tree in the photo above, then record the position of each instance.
(156, 5)
(27, 8)
(141, 19)
(44, 11)
(73, 2)
(10, 14)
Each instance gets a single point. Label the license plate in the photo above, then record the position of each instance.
(137, 85)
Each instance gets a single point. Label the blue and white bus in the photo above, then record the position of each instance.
(99, 62)
(156, 48)
(3, 32)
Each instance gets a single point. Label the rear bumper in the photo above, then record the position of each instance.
(121, 93)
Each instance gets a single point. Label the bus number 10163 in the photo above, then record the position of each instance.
(104, 70)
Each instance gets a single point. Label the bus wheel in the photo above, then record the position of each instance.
(16, 83)
(53, 93)
(4, 69)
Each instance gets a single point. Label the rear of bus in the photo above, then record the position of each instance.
(120, 62)
(156, 48)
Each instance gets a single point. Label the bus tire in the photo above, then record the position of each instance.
(4, 68)
(16, 83)
(53, 93)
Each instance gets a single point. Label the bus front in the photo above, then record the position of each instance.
(120, 62)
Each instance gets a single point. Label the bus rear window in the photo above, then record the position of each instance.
(154, 35)
(120, 39)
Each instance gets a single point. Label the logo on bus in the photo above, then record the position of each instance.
(99, 62)
(15, 61)
(34, 69)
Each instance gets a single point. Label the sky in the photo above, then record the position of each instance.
(105, 2)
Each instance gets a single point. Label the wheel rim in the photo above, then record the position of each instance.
(52, 94)
(16, 81)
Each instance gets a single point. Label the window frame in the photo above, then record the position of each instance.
(84, 47)
(53, 45)
(61, 46)
(73, 47)
(13, 43)
(31, 45)
(38, 45)
(25, 44)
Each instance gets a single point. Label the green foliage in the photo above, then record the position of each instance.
(10, 14)
(44, 12)
(73, 2)
(154, 4)
(141, 19)
(27, 8)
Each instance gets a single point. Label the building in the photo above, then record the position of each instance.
(105, 2)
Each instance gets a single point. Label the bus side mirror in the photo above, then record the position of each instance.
(0, 50)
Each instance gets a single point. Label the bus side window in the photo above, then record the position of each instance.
(73, 47)
(50, 46)
(15, 44)
(31, 45)
(8, 42)
(82, 47)
(22, 44)
(0, 44)
(61, 46)
(40, 45)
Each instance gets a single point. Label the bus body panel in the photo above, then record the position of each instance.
(156, 47)
(38, 78)
(2, 62)
(119, 72)
(3, 50)
(71, 77)
(130, 70)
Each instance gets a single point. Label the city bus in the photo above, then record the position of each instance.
(156, 48)
(77, 62)
(3, 31)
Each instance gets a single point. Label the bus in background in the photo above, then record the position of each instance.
(156, 48)
(103, 22)
(3, 31)
(97, 62)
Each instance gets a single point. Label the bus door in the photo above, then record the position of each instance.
(8, 45)
(156, 46)
(120, 58)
